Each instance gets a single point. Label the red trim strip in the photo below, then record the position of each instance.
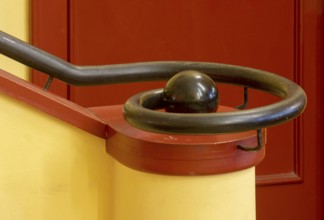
(177, 154)
(51, 104)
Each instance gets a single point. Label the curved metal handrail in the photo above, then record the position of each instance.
(292, 104)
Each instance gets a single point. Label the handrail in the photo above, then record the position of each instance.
(292, 104)
(38, 59)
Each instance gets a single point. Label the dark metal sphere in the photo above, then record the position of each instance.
(190, 92)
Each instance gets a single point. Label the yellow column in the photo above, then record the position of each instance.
(138, 195)
(14, 19)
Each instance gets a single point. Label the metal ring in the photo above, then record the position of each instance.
(140, 111)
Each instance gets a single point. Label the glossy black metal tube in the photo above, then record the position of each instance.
(137, 109)
(86, 75)
(110, 74)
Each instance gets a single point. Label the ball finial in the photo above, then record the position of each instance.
(190, 92)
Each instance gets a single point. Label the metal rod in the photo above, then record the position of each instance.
(245, 99)
(48, 82)
(258, 147)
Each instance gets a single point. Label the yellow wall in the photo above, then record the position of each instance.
(49, 169)
(14, 19)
